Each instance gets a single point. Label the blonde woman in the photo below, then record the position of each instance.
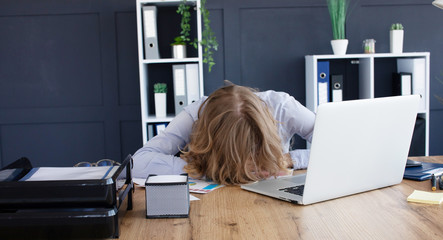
(234, 136)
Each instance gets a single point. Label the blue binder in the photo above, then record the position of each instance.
(424, 172)
(322, 82)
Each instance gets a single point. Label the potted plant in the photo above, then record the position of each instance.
(396, 38)
(337, 12)
(160, 90)
(208, 42)
(179, 44)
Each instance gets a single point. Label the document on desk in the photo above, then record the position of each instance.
(425, 197)
(195, 185)
(202, 186)
(69, 173)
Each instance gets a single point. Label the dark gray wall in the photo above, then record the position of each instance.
(69, 74)
(68, 81)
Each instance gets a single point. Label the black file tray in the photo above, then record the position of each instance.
(68, 209)
(63, 223)
(68, 193)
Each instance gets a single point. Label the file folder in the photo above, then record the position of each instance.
(159, 127)
(192, 83)
(180, 98)
(323, 82)
(150, 32)
(402, 84)
(417, 67)
(151, 133)
(336, 88)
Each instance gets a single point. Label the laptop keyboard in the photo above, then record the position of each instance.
(297, 190)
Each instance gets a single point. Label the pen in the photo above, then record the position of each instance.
(434, 182)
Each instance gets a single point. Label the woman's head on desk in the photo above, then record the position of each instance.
(235, 139)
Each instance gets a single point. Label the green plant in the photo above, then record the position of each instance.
(183, 38)
(208, 42)
(160, 88)
(178, 41)
(396, 26)
(337, 12)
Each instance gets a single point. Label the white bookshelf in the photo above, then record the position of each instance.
(367, 70)
(147, 65)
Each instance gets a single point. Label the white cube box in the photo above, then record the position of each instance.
(167, 196)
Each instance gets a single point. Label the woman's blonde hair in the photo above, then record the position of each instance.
(235, 139)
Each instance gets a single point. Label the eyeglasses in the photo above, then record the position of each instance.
(101, 163)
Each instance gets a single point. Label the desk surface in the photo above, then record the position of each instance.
(233, 213)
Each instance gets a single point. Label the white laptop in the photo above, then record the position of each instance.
(357, 146)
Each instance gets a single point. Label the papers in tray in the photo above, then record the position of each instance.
(69, 173)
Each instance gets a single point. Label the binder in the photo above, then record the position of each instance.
(323, 82)
(159, 127)
(150, 131)
(192, 83)
(179, 76)
(336, 88)
(150, 32)
(418, 142)
(402, 83)
(423, 172)
(417, 67)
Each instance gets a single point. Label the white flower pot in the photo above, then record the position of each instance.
(339, 46)
(160, 104)
(179, 51)
(396, 43)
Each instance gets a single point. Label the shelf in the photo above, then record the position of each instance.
(154, 119)
(152, 71)
(171, 60)
(372, 55)
(370, 76)
(166, 2)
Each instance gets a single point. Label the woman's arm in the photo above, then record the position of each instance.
(291, 115)
(298, 120)
(157, 155)
(293, 118)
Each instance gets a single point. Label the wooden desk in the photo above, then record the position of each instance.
(233, 213)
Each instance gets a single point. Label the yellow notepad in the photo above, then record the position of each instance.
(425, 197)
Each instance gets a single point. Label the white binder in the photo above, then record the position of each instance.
(192, 83)
(150, 32)
(417, 67)
(180, 98)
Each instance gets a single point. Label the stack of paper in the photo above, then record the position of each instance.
(425, 197)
